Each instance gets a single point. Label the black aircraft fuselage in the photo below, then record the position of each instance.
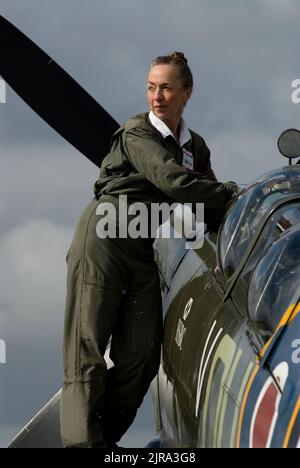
(230, 374)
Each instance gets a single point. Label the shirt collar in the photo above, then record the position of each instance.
(185, 135)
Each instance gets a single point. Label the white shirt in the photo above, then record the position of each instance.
(185, 137)
(185, 134)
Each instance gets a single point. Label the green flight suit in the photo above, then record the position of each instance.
(113, 286)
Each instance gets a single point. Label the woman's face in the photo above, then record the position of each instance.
(166, 95)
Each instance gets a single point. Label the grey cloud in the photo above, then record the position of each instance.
(243, 62)
(250, 156)
(38, 180)
(32, 277)
(32, 291)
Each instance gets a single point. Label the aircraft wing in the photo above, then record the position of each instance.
(43, 431)
(54, 95)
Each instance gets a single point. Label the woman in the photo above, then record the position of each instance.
(113, 283)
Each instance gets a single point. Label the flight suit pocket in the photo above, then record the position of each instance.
(140, 327)
(99, 308)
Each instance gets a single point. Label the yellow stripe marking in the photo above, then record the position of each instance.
(244, 405)
(291, 425)
(286, 319)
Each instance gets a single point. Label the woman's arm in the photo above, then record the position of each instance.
(159, 166)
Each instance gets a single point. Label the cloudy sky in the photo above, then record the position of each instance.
(244, 55)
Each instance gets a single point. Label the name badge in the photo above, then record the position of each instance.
(188, 160)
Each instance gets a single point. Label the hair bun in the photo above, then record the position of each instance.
(179, 57)
(178, 60)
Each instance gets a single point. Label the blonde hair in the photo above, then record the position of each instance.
(179, 60)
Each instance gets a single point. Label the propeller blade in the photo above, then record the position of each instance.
(54, 95)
